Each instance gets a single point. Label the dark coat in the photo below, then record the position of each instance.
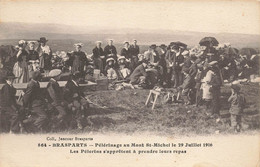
(78, 60)
(55, 92)
(134, 50)
(178, 60)
(110, 50)
(33, 55)
(97, 52)
(33, 96)
(45, 59)
(7, 96)
(137, 73)
(71, 90)
(126, 53)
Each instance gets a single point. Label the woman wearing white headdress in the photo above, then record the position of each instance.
(20, 68)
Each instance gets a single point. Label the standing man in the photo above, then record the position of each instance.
(162, 62)
(215, 84)
(126, 52)
(99, 57)
(177, 66)
(134, 49)
(34, 100)
(110, 49)
(45, 55)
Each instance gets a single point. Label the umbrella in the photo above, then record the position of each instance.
(206, 40)
(178, 43)
(247, 51)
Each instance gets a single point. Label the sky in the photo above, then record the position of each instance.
(203, 16)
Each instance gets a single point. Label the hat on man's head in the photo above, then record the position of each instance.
(134, 40)
(42, 40)
(126, 42)
(55, 73)
(153, 46)
(235, 87)
(163, 46)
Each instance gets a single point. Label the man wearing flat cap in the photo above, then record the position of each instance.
(34, 100)
(99, 57)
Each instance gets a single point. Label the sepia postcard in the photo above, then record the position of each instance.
(129, 83)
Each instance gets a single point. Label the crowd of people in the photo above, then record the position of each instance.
(196, 73)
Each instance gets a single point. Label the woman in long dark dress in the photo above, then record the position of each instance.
(78, 59)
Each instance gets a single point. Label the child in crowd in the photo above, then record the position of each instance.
(238, 103)
(123, 72)
(110, 70)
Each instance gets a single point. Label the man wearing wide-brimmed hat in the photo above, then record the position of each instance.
(34, 100)
(99, 57)
(56, 96)
(8, 106)
(45, 55)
